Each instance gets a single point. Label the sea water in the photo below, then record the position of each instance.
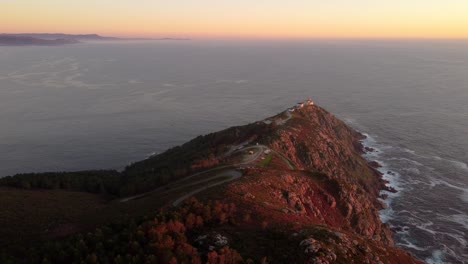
(104, 105)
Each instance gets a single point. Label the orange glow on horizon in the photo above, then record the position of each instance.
(223, 19)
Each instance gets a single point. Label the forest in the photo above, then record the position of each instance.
(197, 155)
(164, 238)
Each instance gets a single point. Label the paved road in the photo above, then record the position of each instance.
(233, 175)
(222, 173)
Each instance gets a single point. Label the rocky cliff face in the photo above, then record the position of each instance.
(317, 181)
(315, 140)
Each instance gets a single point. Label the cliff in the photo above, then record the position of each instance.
(293, 188)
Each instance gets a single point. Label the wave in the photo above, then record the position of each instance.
(406, 171)
(463, 196)
(408, 244)
(392, 177)
(440, 256)
(437, 257)
(458, 164)
(461, 219)
(409, 161)
(413, 165)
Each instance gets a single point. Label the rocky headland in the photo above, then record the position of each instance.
(293, 188)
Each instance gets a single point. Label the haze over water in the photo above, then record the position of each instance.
(103, 105)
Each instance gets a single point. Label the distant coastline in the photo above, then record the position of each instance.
(58, 39)
(31, 41)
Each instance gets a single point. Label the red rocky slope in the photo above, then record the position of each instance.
(327, 206)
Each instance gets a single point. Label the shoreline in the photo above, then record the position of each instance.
(407, 234)
(390, 188)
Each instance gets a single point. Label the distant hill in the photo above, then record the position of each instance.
(11, 40)
(51, 39)
(53, 36)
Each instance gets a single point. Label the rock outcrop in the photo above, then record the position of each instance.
(315, 140)
(331, 186)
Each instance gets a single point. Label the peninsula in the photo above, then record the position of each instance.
(293, 188)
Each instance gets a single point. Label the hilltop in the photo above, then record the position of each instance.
(293, 188)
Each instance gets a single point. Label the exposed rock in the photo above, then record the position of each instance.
(211, 241)
(375, 164)
(369, 149)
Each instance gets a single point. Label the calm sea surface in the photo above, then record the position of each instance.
(103, 105)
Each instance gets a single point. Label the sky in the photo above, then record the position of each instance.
(240, 18)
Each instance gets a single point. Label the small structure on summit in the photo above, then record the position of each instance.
(300, 105)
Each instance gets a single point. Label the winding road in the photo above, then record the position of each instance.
(228, 171)
(224, 171)
(233, 175)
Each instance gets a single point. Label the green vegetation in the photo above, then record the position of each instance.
(196, 155)
(27, 216)
(176, 163)
(164, 238)
(266, 162)
(101, 181)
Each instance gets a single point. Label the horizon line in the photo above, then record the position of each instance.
(236, 37)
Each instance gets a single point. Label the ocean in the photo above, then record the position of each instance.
(105, 105)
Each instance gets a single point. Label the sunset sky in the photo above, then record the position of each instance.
(240, 18)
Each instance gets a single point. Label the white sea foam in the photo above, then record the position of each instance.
(437, 257)
(413, 170)
(409, 151)
(461, 219)
(460, 238)
(392, 178)
(425, 227)
(464, 190)
(408, 160)
(409, 244)
(459, 164)
(415, 166)
(386, 214)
